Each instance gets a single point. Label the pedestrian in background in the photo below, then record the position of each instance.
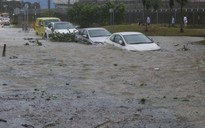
(185, 21)
(173, 21)
(148, 20)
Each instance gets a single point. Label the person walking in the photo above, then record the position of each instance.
(173, 21)
(148, 20)
(185, 21)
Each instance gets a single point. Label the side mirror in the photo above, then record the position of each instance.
(121, 43)
(86, 36)
(77, 26)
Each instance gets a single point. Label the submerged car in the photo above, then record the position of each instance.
(132, 41)
(61, 27)
(92, 35)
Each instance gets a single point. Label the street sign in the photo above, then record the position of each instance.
(26, 6)
(17, 11)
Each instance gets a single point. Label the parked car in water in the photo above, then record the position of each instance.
(41, 23)
(132, 41)
(61, 27)
(92, 35)
(4, 20)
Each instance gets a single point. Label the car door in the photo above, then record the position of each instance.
(85, 37)
(78, 35)
(117, 41)
(41, 27)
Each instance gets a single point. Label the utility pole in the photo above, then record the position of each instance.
(49, 7)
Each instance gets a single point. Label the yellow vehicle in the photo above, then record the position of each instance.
(41, 23)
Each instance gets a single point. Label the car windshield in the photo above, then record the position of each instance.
(99, 33)
(48, 21)
(63, 26)
(137, 39)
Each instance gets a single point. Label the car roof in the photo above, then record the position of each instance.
(93, 28)
(60, 22)
(47, 18)
(127, 33)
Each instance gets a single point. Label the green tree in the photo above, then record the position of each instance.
(119, 13)
(105, 11)
(84, 14)
(182, 4)
(171, 4)
(51, 13)
(156, 4)
(94, 14)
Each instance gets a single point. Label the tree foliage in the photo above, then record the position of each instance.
(182, 2)
(155, 4)
(50, 12)
(171, 4)
(95, 14)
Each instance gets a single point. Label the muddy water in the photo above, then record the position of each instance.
(69, 85)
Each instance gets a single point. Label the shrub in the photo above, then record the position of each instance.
(63, 37)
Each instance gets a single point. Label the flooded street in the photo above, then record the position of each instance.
(72, 85)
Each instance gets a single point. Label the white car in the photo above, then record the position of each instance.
(4, 21)
(61, 27)
(132, 41)
(92, 35)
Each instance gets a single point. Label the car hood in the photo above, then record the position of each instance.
(98, 39)
(143, 47)
(65, 30)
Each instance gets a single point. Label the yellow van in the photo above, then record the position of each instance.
(41, 23)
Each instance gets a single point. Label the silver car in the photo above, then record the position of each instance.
(62, 27)
(92, 35)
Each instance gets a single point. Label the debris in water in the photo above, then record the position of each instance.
(2, 120)
(142, 101)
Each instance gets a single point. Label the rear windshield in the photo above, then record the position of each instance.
(99, 33)
(51, 20)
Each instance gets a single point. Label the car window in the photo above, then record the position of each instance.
(117, 39)
(112, 38)
(80, 32)
(85, 32)
(99, 33)
(137, 39)
(64, 26)
(40, 23)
